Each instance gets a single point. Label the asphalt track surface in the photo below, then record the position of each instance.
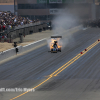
(78, 81)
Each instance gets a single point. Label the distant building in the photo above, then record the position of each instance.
(46, 9)
(7, 8)
(6, 1)
(7, 5)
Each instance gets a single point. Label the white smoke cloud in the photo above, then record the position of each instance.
(61, 23)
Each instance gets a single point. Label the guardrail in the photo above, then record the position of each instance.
(23, 30)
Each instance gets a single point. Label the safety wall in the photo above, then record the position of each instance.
(23, 30)
(11, 52)
(33, 28)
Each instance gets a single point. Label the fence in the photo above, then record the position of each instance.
(23, 30)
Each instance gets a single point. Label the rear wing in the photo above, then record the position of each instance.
(56, 36)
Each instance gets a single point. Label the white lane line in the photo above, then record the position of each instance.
(35, 42)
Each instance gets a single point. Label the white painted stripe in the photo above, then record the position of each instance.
(10, 49)
(34, 42)
(23, 46)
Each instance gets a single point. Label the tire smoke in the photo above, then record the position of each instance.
(61, 24)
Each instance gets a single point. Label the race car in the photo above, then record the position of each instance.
(55, 45)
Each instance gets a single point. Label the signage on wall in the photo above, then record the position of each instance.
(55, 11)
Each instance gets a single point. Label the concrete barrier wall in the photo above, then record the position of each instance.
(6, 54)
(32, 45)
(11, 52)
(26, 29)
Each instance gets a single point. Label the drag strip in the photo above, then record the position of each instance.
(38, 66)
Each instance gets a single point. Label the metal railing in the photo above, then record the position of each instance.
(19, 31)
(6, 31)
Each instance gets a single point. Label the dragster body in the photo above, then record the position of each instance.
(55, 45)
